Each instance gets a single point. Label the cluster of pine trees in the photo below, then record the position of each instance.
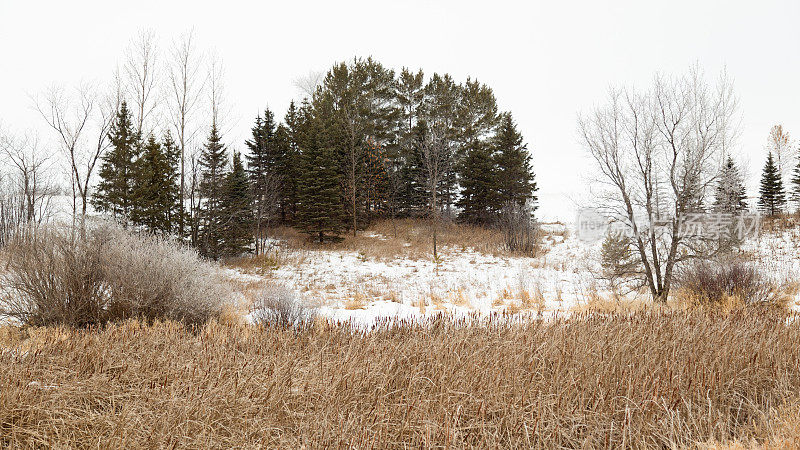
(365, 144)
(355, 151)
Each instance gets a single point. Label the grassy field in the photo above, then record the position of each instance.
(649, 379)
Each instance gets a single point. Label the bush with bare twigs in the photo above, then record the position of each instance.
(279, 306)
(520, 233)
(727, 282)
(107, 274)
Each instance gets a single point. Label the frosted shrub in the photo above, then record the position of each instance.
(109, 274)
(279, 306)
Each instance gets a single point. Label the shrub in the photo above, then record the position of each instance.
(715, 283)
(106, 274)
(279, 306)
(519, 230)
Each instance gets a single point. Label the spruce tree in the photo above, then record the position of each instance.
(287, 137)
(772, 199)
(730, 193)
(237, 212)
(213, 163)
(263, 172)
(515, 180)
(319, 202)
(796, 185)
(156, 192)
(480, 199)
(115, 190)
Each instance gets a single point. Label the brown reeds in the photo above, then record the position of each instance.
(649, 379)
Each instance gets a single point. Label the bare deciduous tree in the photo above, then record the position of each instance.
(26, 189)
(216, 92)
(30, 167)
(73, 119)
(308, 83)
(141, 58)
(185, 88)
(658, 153)
(437, 158)
(780, 144)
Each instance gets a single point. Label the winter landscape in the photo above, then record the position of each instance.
(220, 231)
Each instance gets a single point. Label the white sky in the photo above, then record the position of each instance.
(546, 61)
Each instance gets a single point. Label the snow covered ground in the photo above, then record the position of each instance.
(346, 285)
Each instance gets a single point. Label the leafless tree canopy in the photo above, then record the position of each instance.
(142, 76)
(80, 122)
(186, 83)
(308, 83)
(26, 187)
(658, 153)
(780, 144)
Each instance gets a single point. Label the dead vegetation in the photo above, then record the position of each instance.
(653, 379)
(53, 277)
(407, 238)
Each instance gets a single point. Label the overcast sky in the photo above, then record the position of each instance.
(546, 61)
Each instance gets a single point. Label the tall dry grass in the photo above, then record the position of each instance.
(640, 380)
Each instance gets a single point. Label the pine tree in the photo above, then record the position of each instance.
(286, 137)
(115, 190)
(515, 180)
(264, 173)
(237, 212)
(213, 163)
(796, 185)
(773, 197)
(730, 193)
(319, 202)
(480, 199)
(156, 192)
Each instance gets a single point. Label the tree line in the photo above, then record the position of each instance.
(365, 144)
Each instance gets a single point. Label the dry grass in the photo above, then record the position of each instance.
(356, 301)
(649, 379)
(413, 239)
(406, 238)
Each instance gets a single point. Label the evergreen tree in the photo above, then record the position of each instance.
(479, 200)
(413, 196)
(237, 212)
(115, 190)
(407, 161)
(264, 172)
(156, 192)
(773, 197)
(319, 201)
(213, 163)
(286, 137)
(515, 181)
(796, 185)
(730, 193)
(440, 111)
